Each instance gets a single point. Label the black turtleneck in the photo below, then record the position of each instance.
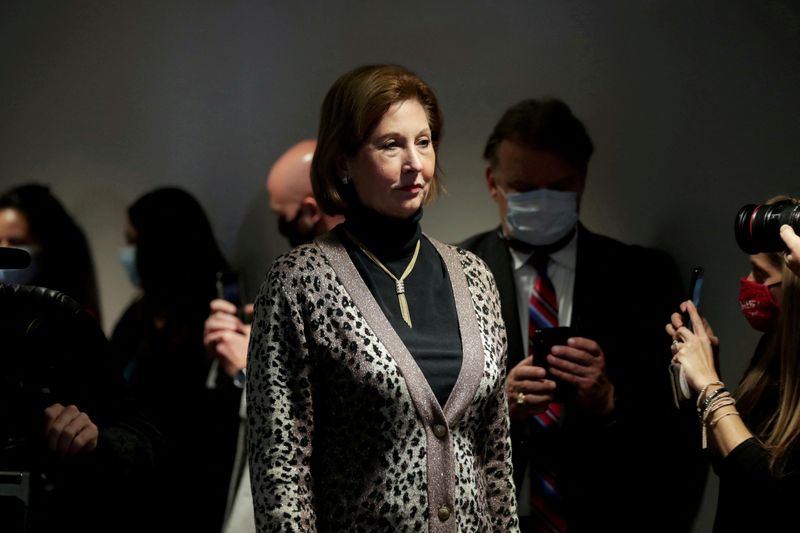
(434, 340)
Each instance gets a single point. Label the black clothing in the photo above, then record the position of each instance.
(612, 469)
(55, 352)
(167, 367)
(751, 496)
(434, 340)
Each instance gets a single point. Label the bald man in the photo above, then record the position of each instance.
(291, 198)
(226, 337)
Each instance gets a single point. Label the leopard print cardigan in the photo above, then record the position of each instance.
(344, 432)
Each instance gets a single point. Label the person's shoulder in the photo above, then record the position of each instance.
(615, 247)
(299, 261)
(470, 262)
(479, 241)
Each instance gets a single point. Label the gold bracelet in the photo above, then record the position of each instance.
(720, 417)
(718, 403)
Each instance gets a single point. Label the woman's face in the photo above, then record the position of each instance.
(14, 230)
(393, 169)
(767, 273)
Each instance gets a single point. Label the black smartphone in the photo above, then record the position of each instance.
(542, 342)
(695, 291)
(229, 287)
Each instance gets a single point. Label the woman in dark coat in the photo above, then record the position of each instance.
(159, 341)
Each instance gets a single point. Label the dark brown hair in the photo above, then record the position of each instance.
(781, 431)
(67, 265)
(546, 124)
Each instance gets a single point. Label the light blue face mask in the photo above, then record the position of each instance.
(127, 256)
(541, 216)
(24, 276)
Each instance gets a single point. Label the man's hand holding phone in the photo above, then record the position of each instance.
(562, 368)
(580, 366)
(527, 390)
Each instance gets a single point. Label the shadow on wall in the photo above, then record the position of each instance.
(258, 243)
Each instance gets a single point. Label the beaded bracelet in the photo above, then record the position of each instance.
(720, 401)
(704, 389)
(720, 392)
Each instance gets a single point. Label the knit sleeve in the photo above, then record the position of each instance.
(500, 493)
(279, 410)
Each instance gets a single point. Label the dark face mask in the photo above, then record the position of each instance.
(290, 230)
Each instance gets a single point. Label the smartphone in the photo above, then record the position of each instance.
(542, 342)
(229, 287)
(680, 388)
(695, 291)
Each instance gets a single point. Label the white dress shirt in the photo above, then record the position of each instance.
(561, 270)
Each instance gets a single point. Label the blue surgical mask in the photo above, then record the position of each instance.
(127, 256)
(24, 276)
(541, 216)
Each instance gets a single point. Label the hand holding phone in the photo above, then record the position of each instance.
(542, 343)
(680, 387)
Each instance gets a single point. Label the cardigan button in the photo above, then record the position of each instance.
(444, 513)
(440, 430)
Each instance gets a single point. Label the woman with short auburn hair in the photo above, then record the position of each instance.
(351, 109)
(377, 359)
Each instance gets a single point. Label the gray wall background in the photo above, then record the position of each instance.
(693, 107)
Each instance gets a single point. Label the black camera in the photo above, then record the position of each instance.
(757, 227)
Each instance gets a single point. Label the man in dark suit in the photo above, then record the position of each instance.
(618, 440)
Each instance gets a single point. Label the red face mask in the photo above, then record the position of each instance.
(758, 305)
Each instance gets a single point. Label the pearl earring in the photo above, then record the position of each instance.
(345, 179)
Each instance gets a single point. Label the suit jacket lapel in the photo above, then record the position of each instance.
(584, 277)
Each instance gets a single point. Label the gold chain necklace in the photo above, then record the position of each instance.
(399, 286)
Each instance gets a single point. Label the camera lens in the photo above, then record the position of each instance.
(758, 226)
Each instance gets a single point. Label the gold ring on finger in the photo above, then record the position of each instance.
(520, 398)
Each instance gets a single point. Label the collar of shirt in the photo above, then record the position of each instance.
(564, 258)
(561, 271)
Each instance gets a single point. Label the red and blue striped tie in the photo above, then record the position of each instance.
(546, 502)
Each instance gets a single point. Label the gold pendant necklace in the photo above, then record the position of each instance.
(399, 286)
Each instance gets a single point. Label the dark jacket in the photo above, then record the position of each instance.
(613, 467)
